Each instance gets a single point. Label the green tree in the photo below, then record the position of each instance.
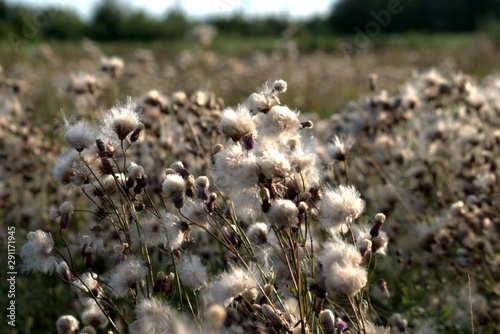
(424, 15)
(64, 24)
(108, 20)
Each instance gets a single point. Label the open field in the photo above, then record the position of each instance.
(376, 207)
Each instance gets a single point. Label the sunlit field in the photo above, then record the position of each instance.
(264, 186)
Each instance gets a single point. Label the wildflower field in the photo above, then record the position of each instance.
(219, 188)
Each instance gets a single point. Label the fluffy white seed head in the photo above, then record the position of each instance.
(341, 271)
(128, 274)
(193, 273)
(152, 231)
(237, 174)
(153, 316)
(231, 284)
(283, 213)
(135, 171)
(95, 238)
(172, 184)
(280, 122)
(340, 206)
(274, 164)
(266, 97)
(120, 121)
(339, 147)
(345, 280)
(66, 208)
(87, 285)
(177, 231)
(81, 135)
(37, 253)
(257, 233)
(66, 324)
(173, 187)
(93, 316)
(236, 124)
(63, 171)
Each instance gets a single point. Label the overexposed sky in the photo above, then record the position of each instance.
(200, 8)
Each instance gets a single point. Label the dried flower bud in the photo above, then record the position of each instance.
(380, 217)
(302, 211)
(173, 188)
(232, 237)
(382, 284)
(257, 308)
(364, 246)
(276, 321)
(66, 210)
(341, 325)
(327, 320)
(279, 86)
(375, 230)
(248, 142)
(170, 171)
(397, 321)
(307, 124)
(250, 295)
(139, 206)
(215, 316)
(64, 272)
(210, 207)
(268, 289)
(190, 186)
(138, 189)
(130, 183)
(54, 213)
(216, 149)
(303, 207)
(160, 282)
(266, 199)
(137, 132)
(201, 186)
(120, 255)
(142, 181)
(100, 145)
(178, 166)
(107, 169)
(88, 330)
(89, 261)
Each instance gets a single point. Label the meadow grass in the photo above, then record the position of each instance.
(389, 137)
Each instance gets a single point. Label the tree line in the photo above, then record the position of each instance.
(113, 20)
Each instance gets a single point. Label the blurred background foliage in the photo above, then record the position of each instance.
(113, 20)
(448, 34)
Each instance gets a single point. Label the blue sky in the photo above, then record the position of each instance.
(200, 8)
